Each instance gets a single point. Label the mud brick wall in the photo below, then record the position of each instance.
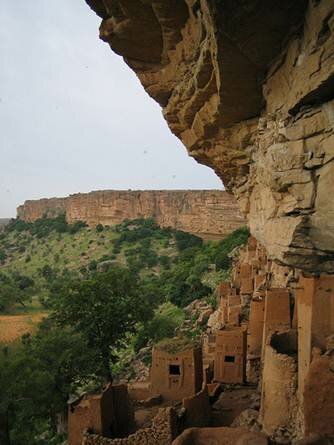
(162, 432)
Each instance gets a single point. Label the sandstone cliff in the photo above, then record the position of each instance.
(248, 87)
(207, 213)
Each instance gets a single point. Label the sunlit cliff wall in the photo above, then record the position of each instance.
(208, 213)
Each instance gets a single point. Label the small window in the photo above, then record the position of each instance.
(174, 370)
(229, 358)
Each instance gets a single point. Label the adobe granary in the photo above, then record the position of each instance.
(315, 313)
(230, 355)
(177, 369)
(277, 313)
(279, 385)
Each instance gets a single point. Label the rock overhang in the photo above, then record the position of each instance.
(248, 88)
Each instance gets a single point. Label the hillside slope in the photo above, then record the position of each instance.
(36, 257)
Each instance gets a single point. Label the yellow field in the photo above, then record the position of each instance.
(13, 327)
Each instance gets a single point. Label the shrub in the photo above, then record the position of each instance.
(99, 228)
(46, 272)
(92, 265)
(78, 225)
(237, 238)
(3, 256)
(185, 240)
(164, 260)
(163, 325)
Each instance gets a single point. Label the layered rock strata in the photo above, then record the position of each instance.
(248, 87)
(207, 213)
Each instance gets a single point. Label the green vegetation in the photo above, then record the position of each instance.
(104, 309)
(176, 344)
(167, 317)
(15, 289)
(44, 226)
(37, 376)
(175, 266)
(108, 291)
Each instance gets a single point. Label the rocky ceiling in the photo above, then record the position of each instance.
(248, 87)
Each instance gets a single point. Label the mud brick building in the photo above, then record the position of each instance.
(315, 313)
(230, 355)
(277, 313)
(176, 375)
(255, 329)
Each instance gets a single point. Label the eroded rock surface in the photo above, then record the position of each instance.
(207, 213)
(248, 87)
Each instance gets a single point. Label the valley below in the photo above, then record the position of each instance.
(51, 277)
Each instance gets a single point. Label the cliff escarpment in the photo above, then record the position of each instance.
(248, 87)
(207, 213)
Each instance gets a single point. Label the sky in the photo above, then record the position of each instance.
(73, 116)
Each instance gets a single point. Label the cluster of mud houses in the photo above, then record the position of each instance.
(271, 329)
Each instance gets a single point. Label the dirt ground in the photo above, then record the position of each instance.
(13, 327)
(231, 403)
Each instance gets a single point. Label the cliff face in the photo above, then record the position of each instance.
(248, 87)
(207, 213)
(35, 209)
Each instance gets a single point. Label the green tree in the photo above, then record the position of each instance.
(103, 308)
(3, 256)
(185, 240)
(7, 296)
(36, 379)
(15, 289)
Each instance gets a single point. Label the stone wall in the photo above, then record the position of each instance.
(162, 432)
(248, 88)
(207, 213)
